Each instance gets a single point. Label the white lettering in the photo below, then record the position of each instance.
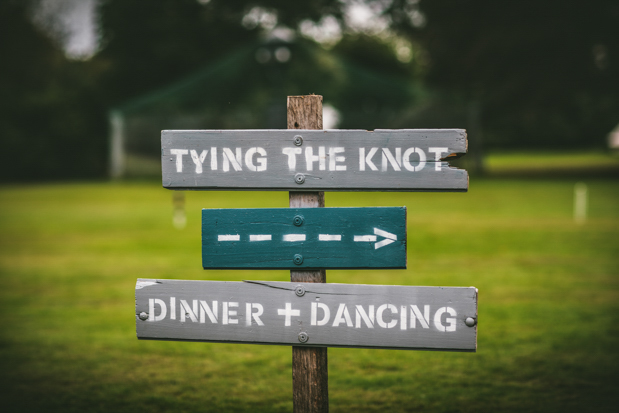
(179, 158)
(333, 159)
(198, 160)
(249, 307)
(206, 310)
(451, 321)
(310, 158)
(367, 318)
(231, 158)
(395, 162)
(190, 312)
(341, 315)
(292, 157)
(327, 314)
(407, 163)
(172, 308)
(379, 315)
(437, 156)
(424, 319)
(367, 159)
(262, 162)
(227, 314)
(151, 309)
(213, 158)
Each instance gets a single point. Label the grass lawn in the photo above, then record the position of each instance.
(548, 335)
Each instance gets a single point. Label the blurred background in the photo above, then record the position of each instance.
(87, 86)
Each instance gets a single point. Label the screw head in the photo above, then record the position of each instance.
(470, 321)
(298, 140)
(303, 337)
(299, 178)
(299, 290)
(298, 259)
(143, 316)
(298, 220)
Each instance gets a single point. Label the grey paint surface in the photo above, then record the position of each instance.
(273, 298)
(338, 166)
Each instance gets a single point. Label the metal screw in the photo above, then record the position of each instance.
(298, 259)
(299, 290)
(303, 337)
(143, 316)
(298, 140)
(470, 321)
(298, 220)
(299, 178)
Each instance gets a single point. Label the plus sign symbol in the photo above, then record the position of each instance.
(288, 312)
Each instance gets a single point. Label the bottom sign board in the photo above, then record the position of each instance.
(307, 314)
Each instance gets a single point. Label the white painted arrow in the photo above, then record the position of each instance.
(389, 238)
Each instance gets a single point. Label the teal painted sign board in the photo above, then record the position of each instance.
(308, 314)
(304, 238)
(313, 160)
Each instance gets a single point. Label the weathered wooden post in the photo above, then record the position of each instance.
(310, 391)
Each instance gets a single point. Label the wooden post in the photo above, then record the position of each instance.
(310, 391)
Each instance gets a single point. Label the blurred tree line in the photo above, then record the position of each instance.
(520, 74)
(52, 121)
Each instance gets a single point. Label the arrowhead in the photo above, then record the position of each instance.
(389, 238)
(382, 243)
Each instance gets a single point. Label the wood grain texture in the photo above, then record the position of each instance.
(334, 160)
(392, 321)
(306, 199)
(310, 384)
(304, 112)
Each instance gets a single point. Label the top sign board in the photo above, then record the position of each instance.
(313, 160)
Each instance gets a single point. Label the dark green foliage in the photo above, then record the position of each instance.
(148, 44)
(522, 74)
(51, 123)
(377, 88)
(545, 73)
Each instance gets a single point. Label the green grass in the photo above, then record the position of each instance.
(548, 334)
(573, 163)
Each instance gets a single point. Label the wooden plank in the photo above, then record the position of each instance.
(304, 238)
(308, 314)
(310, 378)
(311, 160)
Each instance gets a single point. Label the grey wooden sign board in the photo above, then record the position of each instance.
(304, 238)
(308, 314)
(313, 160)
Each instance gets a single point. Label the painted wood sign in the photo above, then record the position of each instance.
(304, 238)
(308, 314)
(313, 160)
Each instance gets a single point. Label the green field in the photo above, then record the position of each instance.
(548, 335)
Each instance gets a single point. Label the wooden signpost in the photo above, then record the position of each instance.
(304, 238)
(308, 314)
(311, 160)
(329, 315)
